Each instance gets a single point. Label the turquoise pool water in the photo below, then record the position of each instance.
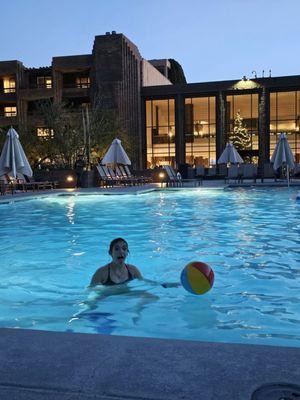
(51, 246)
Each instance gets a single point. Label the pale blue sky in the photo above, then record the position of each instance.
(212, 40)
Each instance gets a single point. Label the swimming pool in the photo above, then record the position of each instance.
(51, 246)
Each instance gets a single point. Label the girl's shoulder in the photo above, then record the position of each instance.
(100, 275)
(133, 269)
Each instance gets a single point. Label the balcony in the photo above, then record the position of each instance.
(76, 90)
(36, 92)
(8, 94)
(7, 118)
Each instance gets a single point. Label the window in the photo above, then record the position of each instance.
(83, 82)
(200, 131)
(10, 111)
(160, 117)
(44, 82)
(285, 117)
(45, 133)
(9, 85)
(242, 124)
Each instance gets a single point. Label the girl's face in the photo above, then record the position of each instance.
(119, 253)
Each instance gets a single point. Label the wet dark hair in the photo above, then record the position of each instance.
(113, 242)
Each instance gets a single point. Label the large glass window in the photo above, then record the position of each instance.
(285, 117)
(160, 125)
(200, 131)
(242, 124)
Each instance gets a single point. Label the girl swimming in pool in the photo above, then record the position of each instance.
(117, 271)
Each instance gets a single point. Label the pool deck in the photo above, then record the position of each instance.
(41, 365)
(121, 190)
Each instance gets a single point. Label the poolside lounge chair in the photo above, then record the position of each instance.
(248, 171)
(211, 172)
(234, 173)
(141, 179)
(2, 187)
(25, 182)
(172, 178)
(127, 179)
(105, 178)
(119, 179)
(295, 173)
(200, 172)
(269, 172)
(9, 184)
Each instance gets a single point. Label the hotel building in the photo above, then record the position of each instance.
(171, 122)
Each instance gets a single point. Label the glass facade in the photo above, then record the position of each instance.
(200, 131)
(242, 124)
(160, 125)
(285, 117)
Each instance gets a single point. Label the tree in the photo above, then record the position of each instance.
(66, 125)
(240, 137)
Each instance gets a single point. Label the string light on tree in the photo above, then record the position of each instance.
(240, 137)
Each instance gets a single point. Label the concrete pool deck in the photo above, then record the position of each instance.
(207, 184)
(41, 365)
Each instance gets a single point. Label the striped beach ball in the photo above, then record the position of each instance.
(197, 277)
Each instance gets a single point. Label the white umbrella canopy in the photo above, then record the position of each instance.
(230, 155)
(116, 154)
(283, 155)
(13, 158)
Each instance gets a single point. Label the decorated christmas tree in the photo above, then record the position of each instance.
(240, 137)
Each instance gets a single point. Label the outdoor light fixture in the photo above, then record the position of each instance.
(70, 178)
(161, 175)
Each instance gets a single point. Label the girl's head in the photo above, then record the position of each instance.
(118, 250)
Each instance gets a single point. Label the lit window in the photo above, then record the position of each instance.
(83, 82)
(10, 111)
(44, 133)
(44, 82)
(9, 85)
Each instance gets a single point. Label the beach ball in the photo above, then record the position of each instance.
(197, 277)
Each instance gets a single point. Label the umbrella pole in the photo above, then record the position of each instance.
(288, 175)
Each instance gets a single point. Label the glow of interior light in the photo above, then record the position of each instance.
(70, 178)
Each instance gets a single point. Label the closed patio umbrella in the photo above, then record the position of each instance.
(230, 155)
(13, 158)
(116, 154)
(283, 155)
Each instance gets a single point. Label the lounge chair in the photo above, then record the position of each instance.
(233, 173)
(269, 172)
(127, 179)
(248, 171)
(141, 179)
(105, 177)
(295, 173)
(3, 187)
(211, 172)
(200, 173)
(25, 182)
(9, 184)
(172, 178)
(118, 177)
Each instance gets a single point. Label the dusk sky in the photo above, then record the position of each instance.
(212, 40)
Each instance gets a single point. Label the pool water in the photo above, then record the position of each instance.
(51, 246)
